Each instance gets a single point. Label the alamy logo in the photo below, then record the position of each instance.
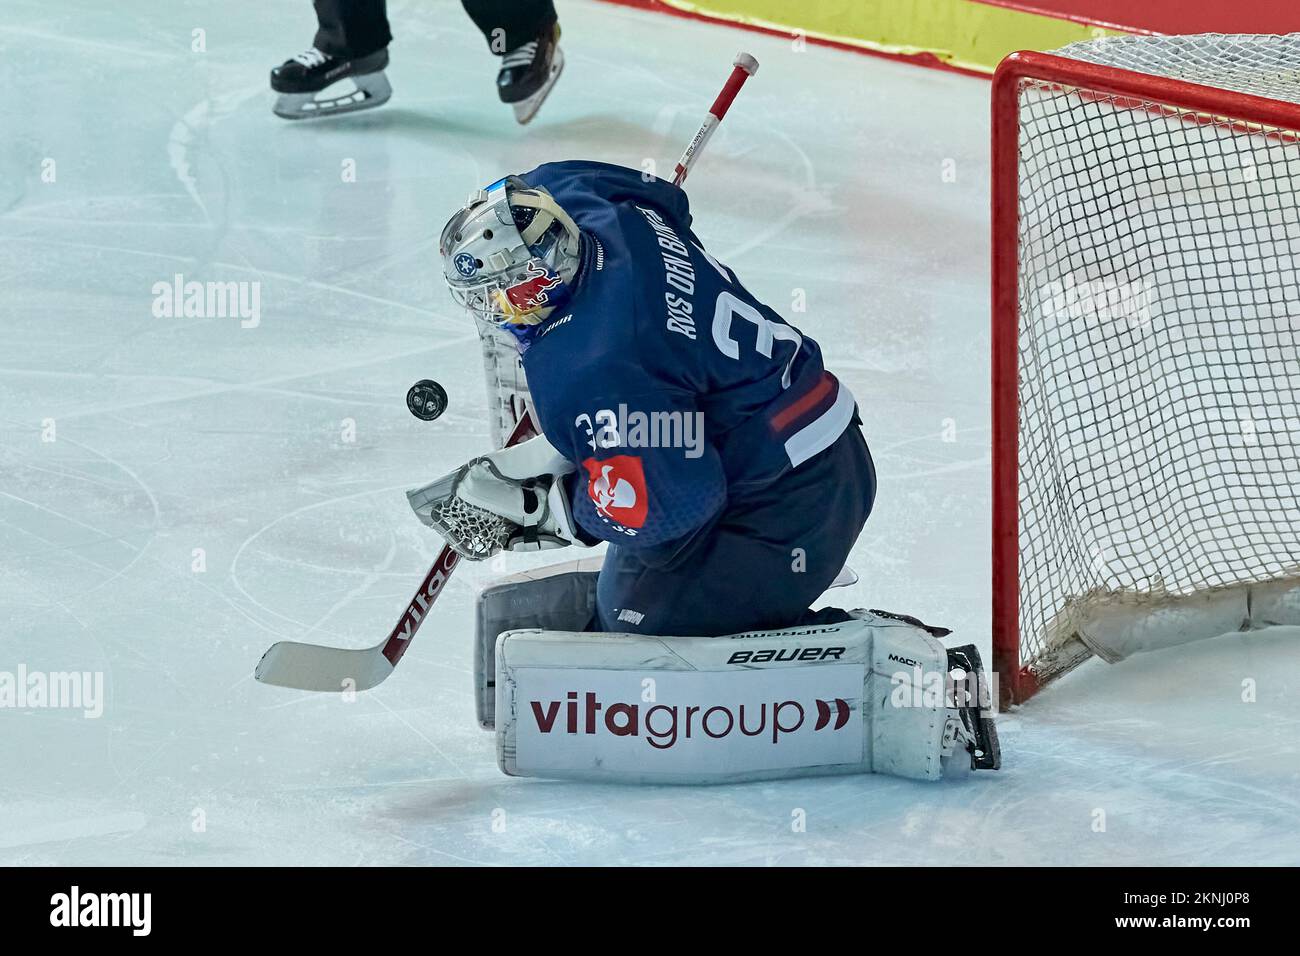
(74, 908)
(208, 300)
(1111, 299)
(624, 427)
(53, 690)
(931, 689)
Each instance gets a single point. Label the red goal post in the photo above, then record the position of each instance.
(1021, 658)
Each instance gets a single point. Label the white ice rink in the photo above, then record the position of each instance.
(126, 158)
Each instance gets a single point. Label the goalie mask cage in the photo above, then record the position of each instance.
(1146, 369)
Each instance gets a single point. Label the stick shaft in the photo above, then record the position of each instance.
(744, 67)
(417, 609)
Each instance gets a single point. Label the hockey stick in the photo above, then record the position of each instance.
(743, 68)
(319, 667)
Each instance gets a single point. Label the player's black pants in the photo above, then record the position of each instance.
(770, 555)
(357, 28)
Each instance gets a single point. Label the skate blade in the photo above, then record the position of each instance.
(366, 93)
(526, 109)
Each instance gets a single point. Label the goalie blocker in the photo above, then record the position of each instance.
(876, 693)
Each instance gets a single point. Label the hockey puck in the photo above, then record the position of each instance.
(426, 399)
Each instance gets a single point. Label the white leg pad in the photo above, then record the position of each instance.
(559, 596)
(859, 697)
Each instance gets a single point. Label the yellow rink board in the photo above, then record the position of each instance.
(959, 33)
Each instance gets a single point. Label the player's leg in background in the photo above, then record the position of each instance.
(351, 29)
(525, 34)
(351, 44)
(771, 555)
(509, 24)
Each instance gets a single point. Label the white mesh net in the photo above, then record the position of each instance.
(1261, 64)
(473, 532)
(1159, 333)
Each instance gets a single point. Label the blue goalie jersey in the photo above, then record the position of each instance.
(671, 388)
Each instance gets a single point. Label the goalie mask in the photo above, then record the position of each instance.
(510, 256)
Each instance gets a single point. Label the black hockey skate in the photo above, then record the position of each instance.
(972, 701)
(301, 79)
(528, 73)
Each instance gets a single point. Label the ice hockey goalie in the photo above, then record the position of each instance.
(698, 434)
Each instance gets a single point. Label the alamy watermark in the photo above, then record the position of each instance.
(208, 300)
(918, 686)
(629, 428)
(76, 908)
(1102, 300)
(25, 689)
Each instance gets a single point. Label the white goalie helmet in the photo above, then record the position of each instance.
(510, 256)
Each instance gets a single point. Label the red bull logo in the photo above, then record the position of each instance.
(531, 294)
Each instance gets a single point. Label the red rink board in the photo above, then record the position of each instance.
(1170, 16)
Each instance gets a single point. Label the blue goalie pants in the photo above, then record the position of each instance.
(769, 554)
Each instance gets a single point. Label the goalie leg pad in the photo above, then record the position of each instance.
(559, 597)
(858, 697)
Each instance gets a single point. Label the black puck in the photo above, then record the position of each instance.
(426, 399)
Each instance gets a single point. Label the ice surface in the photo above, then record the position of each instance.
(827, 182)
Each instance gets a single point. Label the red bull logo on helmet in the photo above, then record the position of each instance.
(533, 292)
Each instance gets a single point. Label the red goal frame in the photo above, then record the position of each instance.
(1017, 682)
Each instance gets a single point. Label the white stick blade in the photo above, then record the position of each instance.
(319, 668)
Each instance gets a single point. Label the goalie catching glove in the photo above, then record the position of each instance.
(511, 500)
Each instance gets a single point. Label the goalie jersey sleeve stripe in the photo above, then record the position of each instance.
(822, 432)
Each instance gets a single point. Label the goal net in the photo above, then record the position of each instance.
(1146, 347)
